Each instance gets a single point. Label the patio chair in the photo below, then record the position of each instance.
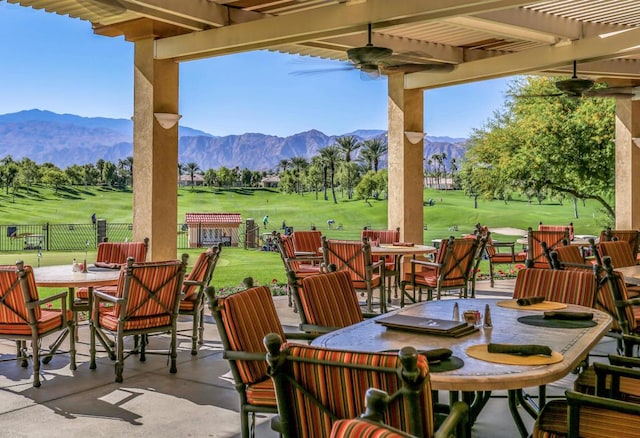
(536, 257)
(478, 257)
(327, 302)
(302, 265)
(391, 262)
(315, 387)
(146, 301)
(354, 257)
(362, 428)
(619, 251)
(453, 273)
(569, 287)
(582, 415)
(501, 253)
(307, 242)
(543, 227)
(630, 236)
(25, 317)
(194, 285)
(565, 256)
(625, 386)
(243, 320)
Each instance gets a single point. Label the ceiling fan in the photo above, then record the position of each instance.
(372, 61)
(576, 87)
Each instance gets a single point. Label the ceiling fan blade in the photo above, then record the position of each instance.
(320, 71)
(611, 92)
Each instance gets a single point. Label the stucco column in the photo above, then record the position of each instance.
(405, 209)
(155, 152)
(627, 164)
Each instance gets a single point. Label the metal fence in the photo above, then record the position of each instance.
(75, 237)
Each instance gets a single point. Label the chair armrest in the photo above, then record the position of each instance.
(60, 295)
(301, 259)
(367, 315)
(614, 359)
(245, 355)
(319, 329)
(192, 283)
(106, 297)
(378, 264)
(629, 302)
(426, 263)
(300, 336)
(454, 424)
(503, 244)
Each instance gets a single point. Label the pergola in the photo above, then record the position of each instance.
(482, 39)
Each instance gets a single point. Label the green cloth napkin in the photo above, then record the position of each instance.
(569, 316)
(530, 300)
(437, 354)
(519, 349)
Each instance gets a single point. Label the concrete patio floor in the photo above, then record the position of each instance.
(198, 401)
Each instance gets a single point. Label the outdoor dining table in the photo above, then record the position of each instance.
(65, 276)
(477, 378)
(631, 274)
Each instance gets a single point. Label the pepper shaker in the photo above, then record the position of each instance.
(487, 317)
(456, 312)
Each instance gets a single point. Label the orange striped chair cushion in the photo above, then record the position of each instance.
(248, 317)
(348, 255)
(356, 428)
(141, 311)
(535, 253)
(542, 227)
(570, 287)
(307, 241)
(619, 251)
(261, 393)
(298, 267)
(48, 320)
(326, 382)
(595, 422)
(330, 300)
(569, 254)
(83, 292)
(118, 252)
(606, 303)
(12, 305)
(197, 274)
(455, 267)
(383, 236)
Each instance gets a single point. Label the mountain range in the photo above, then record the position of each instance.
(67, 139)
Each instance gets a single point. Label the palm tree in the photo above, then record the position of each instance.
(331, 156)
(347, 145)
(192, 168)
(374, 149)
(299, 164)
(284, 165)
(181, 169)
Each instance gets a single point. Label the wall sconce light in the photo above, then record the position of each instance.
(414, 137)
(167, 120)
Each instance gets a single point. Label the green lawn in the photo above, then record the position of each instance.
(40, 205)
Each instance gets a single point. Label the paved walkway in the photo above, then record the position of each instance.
(198, 401)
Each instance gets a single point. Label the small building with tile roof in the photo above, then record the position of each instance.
(206, 229)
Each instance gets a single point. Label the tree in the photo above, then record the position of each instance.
(55, 177)
(331, 156)
(348, 144)
(547, 145)
(299, 165)
(108, 173)
(373, 150)
(211, 177)
(284, 164)
(315, 173)
(192, 168)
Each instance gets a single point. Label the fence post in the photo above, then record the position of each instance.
(101, 230)
(250, 234)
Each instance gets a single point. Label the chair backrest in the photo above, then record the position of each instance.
(307, 241)
(589, 416)
(201, 273)
(613, 293)
(570, 287)
(630, 236)
(458, 261)
(569, 254)
(150, 292)
(287, 252)
(117, 253)
(359, 428)
(543, 227)
(352, 256)
(381, 236)
(243, 320)
(536, 257)
(329, 300)
(619, 251)
(317, 386)
(17, 287)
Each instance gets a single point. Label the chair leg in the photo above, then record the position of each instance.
(174, 349)
(72, 346)
(92, 344)
(492, 281)
(36, 362)
(194, 333)
(119, 366)
(201, 326)
(244, 422)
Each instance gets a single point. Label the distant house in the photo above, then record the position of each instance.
(185, 180)
(206, 229)
(270, 181)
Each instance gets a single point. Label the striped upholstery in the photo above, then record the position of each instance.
(386, 237)
(630, 236)
(542, 227)
(570, 287)
(350, 256)
(535, 254)
(605, 302)
(150, 298)
(329, 300)
(356, 428)
(201, 270)
(23, 318)
(619, 251)
(288, 254)
(248, 317)
(324, 375)
(261, 393)
(117, 253)
(454, 271)
(569, 254)
(307, 241)
(590, 415)
(586, 384)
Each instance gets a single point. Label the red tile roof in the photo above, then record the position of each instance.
(213, 218)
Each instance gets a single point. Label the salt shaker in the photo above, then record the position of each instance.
(487, 317)
(74, 266)
(456, 312)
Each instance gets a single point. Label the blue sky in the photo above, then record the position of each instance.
(56, 63)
